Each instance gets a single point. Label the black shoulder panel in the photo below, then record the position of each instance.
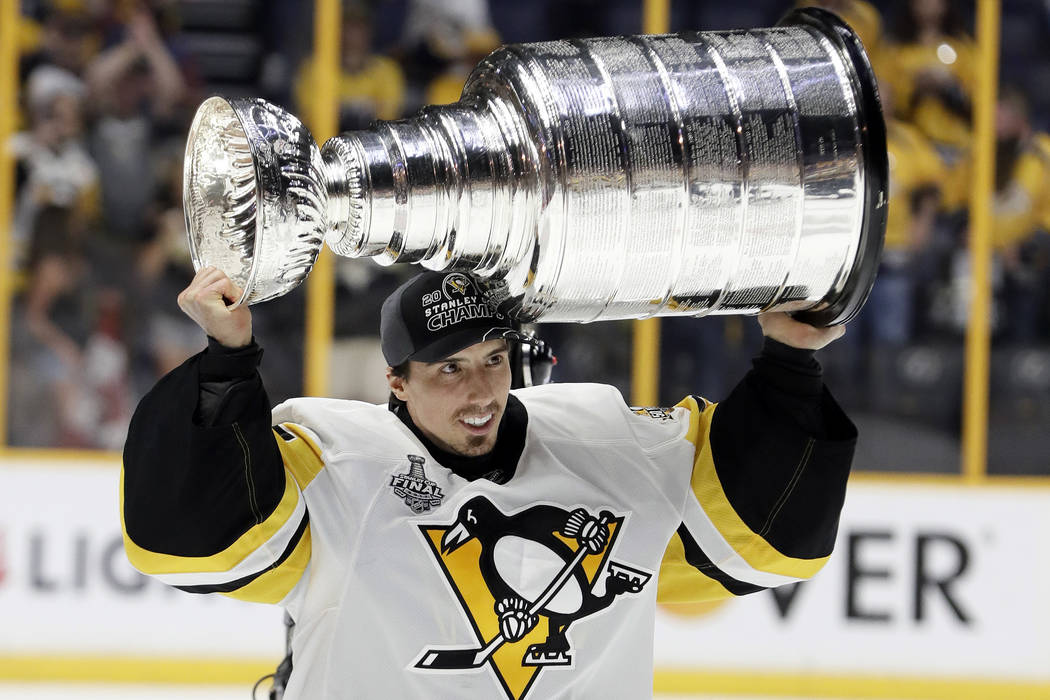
(783, 462)
(192, 491)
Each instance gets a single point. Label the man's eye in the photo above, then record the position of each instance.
(496, 360)
(449, 368)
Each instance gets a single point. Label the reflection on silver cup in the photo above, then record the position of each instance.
(695, 173)
(254, 195)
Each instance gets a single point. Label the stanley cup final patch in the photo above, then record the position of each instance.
(418, 492)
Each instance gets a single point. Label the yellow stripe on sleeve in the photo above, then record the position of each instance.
(275, 584)
(708, 490)
(302, 457)
(153, 563)
(680, 582)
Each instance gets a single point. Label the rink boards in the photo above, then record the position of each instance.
(935, 590)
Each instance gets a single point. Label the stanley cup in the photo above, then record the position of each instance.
(581, 180)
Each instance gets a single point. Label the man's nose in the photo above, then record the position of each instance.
(481, 387)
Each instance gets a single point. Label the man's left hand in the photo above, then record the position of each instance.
(781, 327)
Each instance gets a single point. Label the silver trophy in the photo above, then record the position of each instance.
(582, 180)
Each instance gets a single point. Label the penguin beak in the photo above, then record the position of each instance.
(455, 538)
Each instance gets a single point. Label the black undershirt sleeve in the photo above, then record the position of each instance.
(201, 466)
(790, 382)
(782, 449)
(230, 385)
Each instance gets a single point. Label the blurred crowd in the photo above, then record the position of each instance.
(108, 89)
(97, 230)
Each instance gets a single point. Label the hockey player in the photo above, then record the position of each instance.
(467, 540)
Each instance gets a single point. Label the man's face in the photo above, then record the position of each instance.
(356, 43)
(1011, 122)
(459, 402)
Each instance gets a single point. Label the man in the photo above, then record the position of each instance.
(475, 542)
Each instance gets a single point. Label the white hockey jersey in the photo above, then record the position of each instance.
(407, 581)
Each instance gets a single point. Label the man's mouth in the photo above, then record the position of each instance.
(479, 424)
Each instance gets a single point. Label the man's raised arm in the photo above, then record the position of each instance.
(769, 475)
(207, 504)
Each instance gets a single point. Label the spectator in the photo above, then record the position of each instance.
(370, 86)
(915, 174)
(361, 286)
(1021, 217)
(930, 64)
(115, 21)
(890, 319)
(54, 168)
(49, 333)
(441, 36)
(136, 86)
(70, 379)
(464, 54)
(163, 338)
(65, 40)
(861, 16)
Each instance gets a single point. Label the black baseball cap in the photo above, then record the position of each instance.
(437, 314)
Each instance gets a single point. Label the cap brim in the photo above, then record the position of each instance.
(453, 343)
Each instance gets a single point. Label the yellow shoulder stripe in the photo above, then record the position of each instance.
(707, 488)
(275, 584)
(153, 563)
(302, 457)
(680, 582)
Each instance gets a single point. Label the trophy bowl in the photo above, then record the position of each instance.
(251, 170)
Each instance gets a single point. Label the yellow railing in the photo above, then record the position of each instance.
(978, 332)
(9, 18)
(323, 123)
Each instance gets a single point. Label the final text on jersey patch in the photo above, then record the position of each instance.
(418, 492)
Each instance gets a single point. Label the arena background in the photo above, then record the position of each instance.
(937, 586)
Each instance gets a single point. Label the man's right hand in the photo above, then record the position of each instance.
(205, 301)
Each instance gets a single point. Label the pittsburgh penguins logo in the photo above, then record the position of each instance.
(654, 412)
(458, 284)
(523, 579)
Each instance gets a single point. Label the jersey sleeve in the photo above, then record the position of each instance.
(217, 508)
(765, 492)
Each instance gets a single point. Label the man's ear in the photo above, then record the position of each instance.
(396, 384)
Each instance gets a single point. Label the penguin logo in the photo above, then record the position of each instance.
(457, 284)
(523, 579)
(655, 412)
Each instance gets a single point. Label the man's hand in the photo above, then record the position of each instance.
(205, 302)
(781, 327)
